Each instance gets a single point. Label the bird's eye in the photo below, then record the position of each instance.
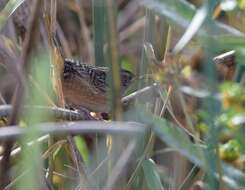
(126, 78)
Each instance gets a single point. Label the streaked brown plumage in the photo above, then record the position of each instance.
(86, 86)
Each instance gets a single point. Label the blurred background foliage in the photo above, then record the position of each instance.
(179, 125)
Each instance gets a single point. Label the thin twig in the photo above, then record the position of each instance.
(16, 151)
(181, 126)
(120, 167)
(51, 149)
(2, 99)
(166, 101)
(139, 93)
(140, 160)
(99, 165)
(58, 113)
(82, 169)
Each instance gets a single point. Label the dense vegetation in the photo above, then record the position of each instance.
(179, 124)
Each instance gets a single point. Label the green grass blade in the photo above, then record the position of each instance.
(180, 14)
(99, 26)
(8, 10)
(152, 177)
(177, 138)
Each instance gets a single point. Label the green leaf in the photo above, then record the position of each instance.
(177, 138)
(82, 147)
(171, 134)
(194, 26)
(99, 28)
(152, 177)
(180, 13)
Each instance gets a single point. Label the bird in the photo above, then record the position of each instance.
(85, 86)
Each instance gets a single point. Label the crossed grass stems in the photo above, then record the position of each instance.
(135, 130)
(78, 128)
(64, 114)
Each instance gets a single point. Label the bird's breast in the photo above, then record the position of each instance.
(78, 92)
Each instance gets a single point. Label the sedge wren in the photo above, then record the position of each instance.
(86, 85)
